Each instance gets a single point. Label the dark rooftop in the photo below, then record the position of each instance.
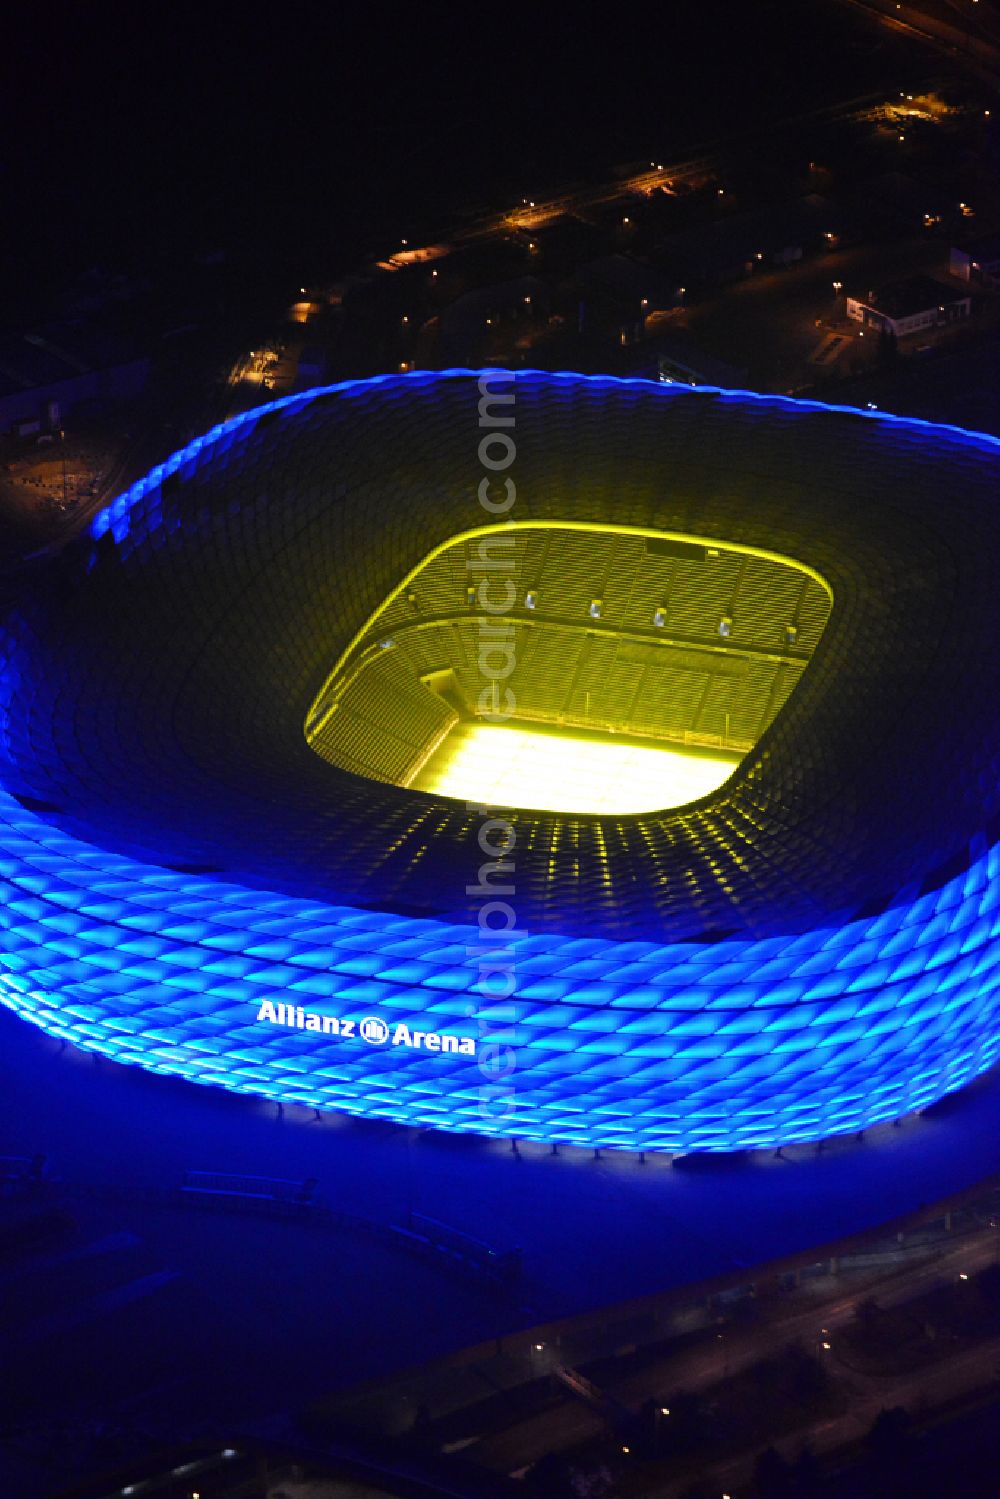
(899, 299)
(48, 355)
(983, 248)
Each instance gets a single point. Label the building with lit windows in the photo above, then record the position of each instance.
(977, 261)
(684, 701)
(917, 305)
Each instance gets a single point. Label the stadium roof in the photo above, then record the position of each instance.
(809, 949)
(181, 648)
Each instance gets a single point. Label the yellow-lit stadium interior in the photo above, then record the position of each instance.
(561, 771)
(571, 668)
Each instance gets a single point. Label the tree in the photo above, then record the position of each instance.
(551, 1478)
(772, 1475)
(889, 1436)
(888, 349)
(807, 1474)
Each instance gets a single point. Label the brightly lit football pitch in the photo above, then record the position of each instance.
(500, 765)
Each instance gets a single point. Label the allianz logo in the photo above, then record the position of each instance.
(372, 1029)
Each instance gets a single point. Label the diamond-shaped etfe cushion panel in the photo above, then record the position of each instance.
(184, 885)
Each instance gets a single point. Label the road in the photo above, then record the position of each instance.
(701, 164)
(977, 52)
(737, 1349)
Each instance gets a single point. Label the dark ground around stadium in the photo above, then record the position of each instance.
(176, 1320)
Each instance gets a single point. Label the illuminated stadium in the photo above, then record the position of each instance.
(708, 715)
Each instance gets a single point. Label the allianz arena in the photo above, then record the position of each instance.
(746, 767)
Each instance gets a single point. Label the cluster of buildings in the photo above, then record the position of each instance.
(47, 374)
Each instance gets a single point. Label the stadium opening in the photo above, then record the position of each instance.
(633, 670)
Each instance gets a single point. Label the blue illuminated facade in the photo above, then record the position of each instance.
(185, 886)
(631, 1044)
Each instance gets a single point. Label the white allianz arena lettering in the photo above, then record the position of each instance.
(275, 1012)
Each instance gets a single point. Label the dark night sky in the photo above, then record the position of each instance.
(131, 131)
